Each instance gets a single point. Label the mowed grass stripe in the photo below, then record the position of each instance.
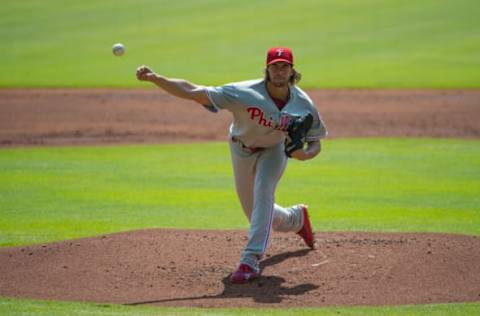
(13, 307)
(355, 184)
(368, 43)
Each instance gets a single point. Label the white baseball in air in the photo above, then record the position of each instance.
(118, 49)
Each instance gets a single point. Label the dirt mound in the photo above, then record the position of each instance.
(112, 116)
(191, 268)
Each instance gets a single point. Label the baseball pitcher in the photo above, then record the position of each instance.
(273, 119)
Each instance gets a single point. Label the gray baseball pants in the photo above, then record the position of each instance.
(256, 178)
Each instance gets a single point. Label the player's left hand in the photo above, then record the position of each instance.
(312, 150)
(296, 133)
(299, 154)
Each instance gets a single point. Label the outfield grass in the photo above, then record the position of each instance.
(367, 43)
(398, 185)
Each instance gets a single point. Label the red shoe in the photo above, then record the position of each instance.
(306, 232)
(243, 274)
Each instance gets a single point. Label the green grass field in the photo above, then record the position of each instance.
(400, 185)
(364, 185)
(368, 43)
(46, 308)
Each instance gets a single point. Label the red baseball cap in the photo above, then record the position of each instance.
(276, 54)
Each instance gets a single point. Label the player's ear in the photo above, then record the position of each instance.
(295, 77)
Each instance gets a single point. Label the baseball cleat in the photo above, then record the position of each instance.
(243, 274)
(306, 232)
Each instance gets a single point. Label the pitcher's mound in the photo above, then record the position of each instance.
(191, 268)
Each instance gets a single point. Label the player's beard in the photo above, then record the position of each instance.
(279, 82)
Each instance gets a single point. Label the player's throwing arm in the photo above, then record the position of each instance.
(177, 87)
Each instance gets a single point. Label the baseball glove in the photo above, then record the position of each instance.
(297, 130)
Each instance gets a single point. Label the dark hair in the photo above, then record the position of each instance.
(294, 79)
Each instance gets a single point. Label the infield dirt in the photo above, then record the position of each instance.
(191, 268)
(79, 116)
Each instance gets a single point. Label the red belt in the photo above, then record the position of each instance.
(251, 150)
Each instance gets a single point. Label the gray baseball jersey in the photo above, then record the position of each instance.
(258, 123)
